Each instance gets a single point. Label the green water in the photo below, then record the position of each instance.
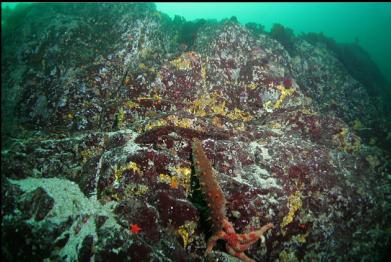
(368, 24)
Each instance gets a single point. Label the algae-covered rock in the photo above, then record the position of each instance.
(102, 103)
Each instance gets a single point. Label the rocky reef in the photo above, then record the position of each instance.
(101, 102)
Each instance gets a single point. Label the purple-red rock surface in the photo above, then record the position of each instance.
(100, 103)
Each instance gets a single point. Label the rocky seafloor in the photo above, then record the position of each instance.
(100, 103)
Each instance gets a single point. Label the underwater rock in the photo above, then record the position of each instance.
(97, 162)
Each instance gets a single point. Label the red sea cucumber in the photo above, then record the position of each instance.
(236, 243)
(210, 187)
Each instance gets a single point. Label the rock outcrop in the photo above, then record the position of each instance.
(100, 103)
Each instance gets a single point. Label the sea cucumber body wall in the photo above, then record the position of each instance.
(211, 189)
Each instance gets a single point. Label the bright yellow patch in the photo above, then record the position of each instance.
(208, 104)
(284, 93)
(238, 114)
(121, 117)
(170, 120)
(180, 177)
(181, 63)
(186, 231)
(170, 180)
(219, 108)
(213, 105)
(131, 166)
(252, 86)
(308, 112)
(184, 174)
(184, 122)
(203, 71)
(117, 174)
(268, 106)
(164, 178)
(301, 238)
(157, 123)
(136, 190)
(70, 116)
(130, 105)
(154, 97)
(294, 204)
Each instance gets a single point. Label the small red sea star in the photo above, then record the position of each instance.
(134, 228)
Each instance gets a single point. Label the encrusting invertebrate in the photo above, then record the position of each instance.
(236, 243)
